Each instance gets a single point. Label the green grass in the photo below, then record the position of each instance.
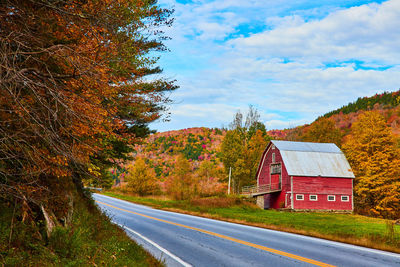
(91, 240)
(354, 229)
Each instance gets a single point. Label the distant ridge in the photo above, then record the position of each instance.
(386, 100)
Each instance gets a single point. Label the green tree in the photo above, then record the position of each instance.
(375, 159)
(242, 147)
(141, 179)
(232, 148)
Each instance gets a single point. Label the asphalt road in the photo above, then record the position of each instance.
(184, 240)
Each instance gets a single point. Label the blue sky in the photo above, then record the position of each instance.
(293, 60)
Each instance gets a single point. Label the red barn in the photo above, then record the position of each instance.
(304, 176)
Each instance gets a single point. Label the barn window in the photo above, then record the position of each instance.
(275, 168)
(345, 198)
(299, 197)
(273, 146)
(313, 197)
(331, 198)
(273, 157)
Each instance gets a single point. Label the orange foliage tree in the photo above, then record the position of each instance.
(375, 159)
(182, 184)
(74, 92)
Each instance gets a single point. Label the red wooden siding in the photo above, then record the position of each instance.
(322, 187)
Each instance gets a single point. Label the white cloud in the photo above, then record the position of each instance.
(369, 33)
(282, 70)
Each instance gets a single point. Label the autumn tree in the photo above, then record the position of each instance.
(323, 130)
(256, 146)
(209, 178)
(242, 147)
(182, 184)
(375, 159)
(141, 179)
(77, 90)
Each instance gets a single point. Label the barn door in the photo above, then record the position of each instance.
(275, 176)
(288, 201)
(275, 181)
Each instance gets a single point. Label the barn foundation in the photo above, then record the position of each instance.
(260, 201)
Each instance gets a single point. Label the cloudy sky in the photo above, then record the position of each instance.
(294, 60)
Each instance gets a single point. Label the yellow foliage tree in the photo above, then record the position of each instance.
(141, 179)
(182, 184)
(323, 130)
(374, 156)
(254, 151)
(242, 156)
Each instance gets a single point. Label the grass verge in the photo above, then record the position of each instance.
(353, 229)
(91, 240)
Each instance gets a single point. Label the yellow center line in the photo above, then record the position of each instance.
(282, 253)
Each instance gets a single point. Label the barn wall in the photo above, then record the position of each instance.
(322, 187)
(275, 200)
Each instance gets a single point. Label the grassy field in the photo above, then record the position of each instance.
(91, 240)
(353, 229)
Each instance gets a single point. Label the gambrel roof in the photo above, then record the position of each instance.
(313, 159)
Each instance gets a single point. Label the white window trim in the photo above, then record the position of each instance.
(348, 198)
(334, 197)
(316, 197)
(299, 195)
(273, 158)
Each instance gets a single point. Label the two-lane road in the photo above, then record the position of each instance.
(189, 240)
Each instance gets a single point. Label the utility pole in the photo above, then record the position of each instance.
(229, 183)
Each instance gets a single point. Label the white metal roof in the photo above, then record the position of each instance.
(313, 159)
(306, 146)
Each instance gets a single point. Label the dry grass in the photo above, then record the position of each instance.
(221, 202)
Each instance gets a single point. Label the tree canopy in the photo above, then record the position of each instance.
(242, 147)
(375, 159)
(323, 130)
(76, 90)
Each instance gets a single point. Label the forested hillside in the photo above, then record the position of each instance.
(385, 100)
(196, 150)
(204, 157)
(387, 104)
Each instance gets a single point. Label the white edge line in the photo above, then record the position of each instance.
(157, 246)
(311, 238)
